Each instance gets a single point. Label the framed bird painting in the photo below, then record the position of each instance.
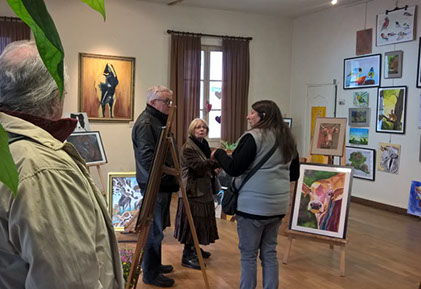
(362, 72)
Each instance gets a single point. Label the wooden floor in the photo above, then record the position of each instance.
(384, 251)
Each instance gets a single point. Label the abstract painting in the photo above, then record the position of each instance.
(362, 71)
(106, 87)
(358, 136)
(321, 200)
(124, 198)
(396, 26)
(329, 136)
(363, 161)
(388, 158)
(359, 116)
(393, 64)
(414, 204)
(391, 109)
(360, 98)
(89, 146)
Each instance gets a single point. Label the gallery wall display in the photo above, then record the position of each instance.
(358, 136)
(124, 198)
(106, 87)
(393, 64)
(396, 26)
(288, 121)
(414, 203)
(360, 98)
(321, 200)
(419, 65)
(364, 41)
(388, 158)
(359, 116)
(82, 120)
(329, 136)
(391, 109)
(362, 72)
(363, 161)
(89, 146)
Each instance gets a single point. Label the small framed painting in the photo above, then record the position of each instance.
(360, 98)
(358, 136)
(321, 201)
(419, 65)
(393, 64)
(359, 116)
(362, 72)
(89, 146)
(389, 158)
(124, 198)
(329, 136)
(396, 26)
(288, 121)
(363, 161)
(82, 120)
(391, 109)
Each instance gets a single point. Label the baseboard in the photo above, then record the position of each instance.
(380, 206)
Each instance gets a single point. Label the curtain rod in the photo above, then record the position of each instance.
(208, 35)
(5, 18)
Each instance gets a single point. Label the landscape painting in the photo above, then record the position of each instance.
(359, 116)
(363, 161)
(358, 136)
(414, 204)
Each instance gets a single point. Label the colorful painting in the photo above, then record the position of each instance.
(106, 87)
(358, 136)
(391, 109)
(364, 41)
(89, 146)
(321, 200)
(393, 64)
(329, 136)
(359, 116)
(362, 71)
(82, 120)
(124, 198)
(363, 161)
(414, 204)
(360, 98)
(396, 26)
(389, 158)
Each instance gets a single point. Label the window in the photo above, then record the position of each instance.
(210, 91)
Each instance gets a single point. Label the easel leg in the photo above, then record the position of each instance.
(342, 265)
(137, 259)
(287, 249)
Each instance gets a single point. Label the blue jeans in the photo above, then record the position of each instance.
(151, 262)
(254, 235)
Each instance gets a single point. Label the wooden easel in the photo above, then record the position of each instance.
(152, 188)
(101, 177)
(312, 237)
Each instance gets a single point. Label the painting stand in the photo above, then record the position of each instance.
(312, 237)
(145, 219)
(101, 178)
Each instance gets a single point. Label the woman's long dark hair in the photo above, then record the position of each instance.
(271, 119)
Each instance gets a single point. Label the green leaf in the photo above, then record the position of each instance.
(35, 14)
(97, 5)
(8, 172)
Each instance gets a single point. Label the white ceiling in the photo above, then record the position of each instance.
(288, 8)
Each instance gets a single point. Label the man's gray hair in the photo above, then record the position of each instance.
(154, 91)
(25, 84)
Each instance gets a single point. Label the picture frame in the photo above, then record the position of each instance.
(89, 146)
(362, 71)
(325, 212)
(393, 64)
(288, 121)
(360, 98)
(388, 158)
(106, 87)
(124, 198)
(414, 202)
(82, 120)
(358, 136)
(396, 26)
(363, 160)
(359, 116)
(391, 109)
(329, 136)
(419, 65)
(364, 43)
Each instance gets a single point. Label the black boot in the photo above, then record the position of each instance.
(190, 259)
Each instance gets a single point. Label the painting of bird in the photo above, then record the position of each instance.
(371, 73)
(407, 14)
(385, 23)
(397, 24)
(384, 36)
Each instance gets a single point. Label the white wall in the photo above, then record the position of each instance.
(320, 43)
(138, 29)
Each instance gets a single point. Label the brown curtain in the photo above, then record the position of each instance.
(235, 88)
(185, 81)
(12, 29)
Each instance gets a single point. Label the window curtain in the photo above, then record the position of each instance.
(185, 81)
(12, 29)
(235, 88)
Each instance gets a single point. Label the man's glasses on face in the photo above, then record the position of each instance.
(166, 101)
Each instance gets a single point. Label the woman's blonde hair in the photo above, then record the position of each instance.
(195, 122)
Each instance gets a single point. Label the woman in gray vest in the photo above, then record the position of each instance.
(263, 200)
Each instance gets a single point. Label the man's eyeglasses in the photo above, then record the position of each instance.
(167, 101)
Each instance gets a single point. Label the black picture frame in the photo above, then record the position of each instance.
(362, 71)
(386, 120)
(419, 65)
(360, 171)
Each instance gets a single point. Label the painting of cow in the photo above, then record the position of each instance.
(321, 200)
(329, 136)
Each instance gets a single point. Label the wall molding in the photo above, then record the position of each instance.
(377, 205)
